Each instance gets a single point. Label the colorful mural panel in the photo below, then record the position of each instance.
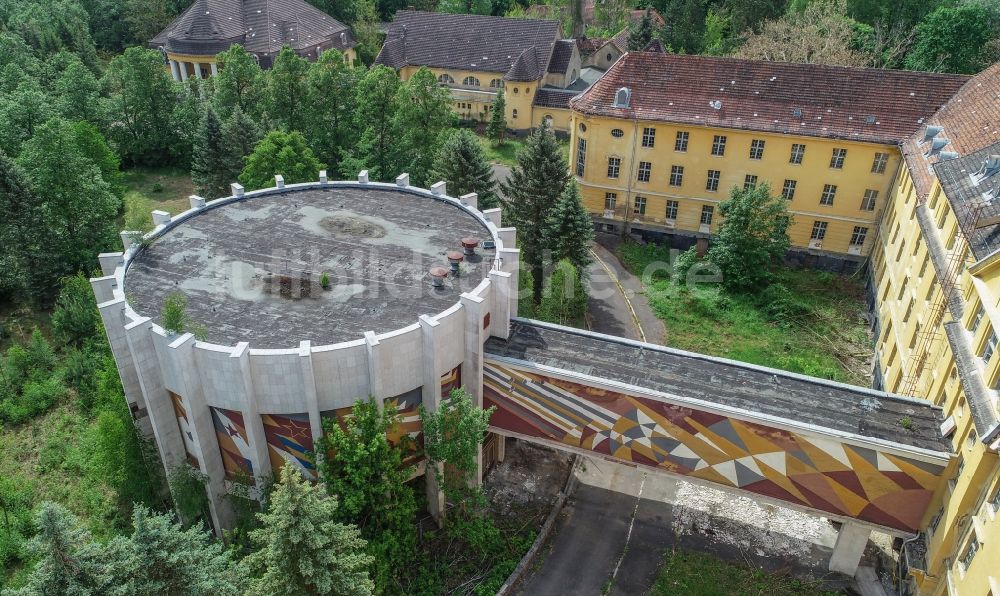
(184, 423)
(408, 407)
(289, 440)
(237, 457)
(451, 380)
(820, 473)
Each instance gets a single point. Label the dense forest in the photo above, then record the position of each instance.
(83, 103)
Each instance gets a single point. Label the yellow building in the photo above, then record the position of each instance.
(936, 286)
(659, 141)
(475, 56)
(190, 43)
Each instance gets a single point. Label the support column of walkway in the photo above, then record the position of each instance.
(849, 548)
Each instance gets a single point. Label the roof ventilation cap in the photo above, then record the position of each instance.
(870, 119)
(931, 131)
(936, 146)
(991, 166)
(946, 155)
(797, 112)
(623, 97)
(715, 104)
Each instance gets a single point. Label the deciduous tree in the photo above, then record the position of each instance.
(287, 90)
(957, 39)
(821, 34)
(423, 114)
(462, 163)
(377, 149)
(330, 96)
(239, 84)
(280, 152)
(303, 549)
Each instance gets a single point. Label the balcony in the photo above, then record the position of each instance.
(459, 93)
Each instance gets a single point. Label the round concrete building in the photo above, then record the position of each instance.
(305, 299)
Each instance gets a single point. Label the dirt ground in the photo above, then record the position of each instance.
(530, 477)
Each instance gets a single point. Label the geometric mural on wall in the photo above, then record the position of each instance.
(237, 457)
(289, 440)
(185, 427)
(817, 472)
(451, 380)
(409, 431)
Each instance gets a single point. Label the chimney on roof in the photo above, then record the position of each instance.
(931, 131)
(946, 155)
(936, 146)
(991, 166)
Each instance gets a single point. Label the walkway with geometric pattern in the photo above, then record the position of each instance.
(842, 451)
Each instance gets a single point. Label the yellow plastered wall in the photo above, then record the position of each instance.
(810, 176)
(475, 103)
(559, 117)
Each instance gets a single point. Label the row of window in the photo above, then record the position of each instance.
(837, 157)
(858, 236)
(712, 181)
(470, 81)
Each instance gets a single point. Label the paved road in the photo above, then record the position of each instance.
(621, 521)
(610, 312)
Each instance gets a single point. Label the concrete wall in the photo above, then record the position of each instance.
(300, 379)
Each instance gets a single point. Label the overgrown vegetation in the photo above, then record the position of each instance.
(806, 321)
(701, 574)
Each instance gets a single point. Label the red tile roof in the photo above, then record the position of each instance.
(859, 104)
(970, 121)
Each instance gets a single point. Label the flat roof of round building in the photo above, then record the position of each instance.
(252, 269)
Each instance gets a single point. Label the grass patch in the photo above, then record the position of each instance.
(700, 574)
(147, 189)
(819, 330)
(505, 153)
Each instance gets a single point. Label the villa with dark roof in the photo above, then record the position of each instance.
(191, 42)
(475, 55)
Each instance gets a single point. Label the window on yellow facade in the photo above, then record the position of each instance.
(952, 237)
(869, 200)
(581, 153)
(837, 158)
(818, 230)
(496, 84)
(995, 500)
(859, 236)
(445, 79)
(930, 291)
(640, 205)
(829, 192)
(614, 167)
(788, 190)
(798, 152)
(879, 163)
(707, 212)
(933, 525)
(470, 81)
(909, 311)
(719, 145)
(645, 171)
(610, 198)
(923, 266)
(915, 336)
(617, 133)
(676, 175)
(648, 137)
(976, 319)
(671, 213)
(513, 113)
(943, 216)
(757, 149)
(681, 142)
(749, 181)
(970, 552)
(712, 183)
(989, 347)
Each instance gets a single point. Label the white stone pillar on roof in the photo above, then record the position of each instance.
(476, 309)
(431, 399)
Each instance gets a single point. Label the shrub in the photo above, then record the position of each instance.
(685, 261)
(76, 318)
(324, 281)
(174, 314)
(779, 304)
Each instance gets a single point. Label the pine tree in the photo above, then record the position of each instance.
(462, 163)
(569, 229)
(240, 134)
(69, 561)
(19, 205)
(209, 160)
(535, 186)
(302, 549)
(640, 36)
(161, 557)
(497, 128)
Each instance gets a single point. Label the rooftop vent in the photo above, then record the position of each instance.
(797, 112)
(469, 244)
(991, 166)
(438, 275)
(931, 131)
(936, 146)
(870, 119)
(623, 97)
(715, 104)
(455, 258)
(946, 155)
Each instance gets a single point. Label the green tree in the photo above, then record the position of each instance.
(496, 130)
(367, 32)
(569, 229)
(329, 106)
(212, 162)
(366, 469)
(94, 147)
(462, 163)
(821, 34)
(753, 237)
(20, 205)
(280, 152)
(533, 189)
(377, 149)
(565, 299)
(21, 113)
(49, 26)
(422, 116)
(174, 317)
(69, 561)
(76, 319)
(142, 98)
(465, 6)
(146, 18)
(302, 549)
(78, 95)
(453, 436)
(640, 34)
(239, 84)
(287, 90)
(74, 215)
(161, 557)
(187, 488)
(956, 39)
(240, 135)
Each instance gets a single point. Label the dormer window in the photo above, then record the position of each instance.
(623, 97)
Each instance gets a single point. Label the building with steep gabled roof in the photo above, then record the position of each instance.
(191, 42)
